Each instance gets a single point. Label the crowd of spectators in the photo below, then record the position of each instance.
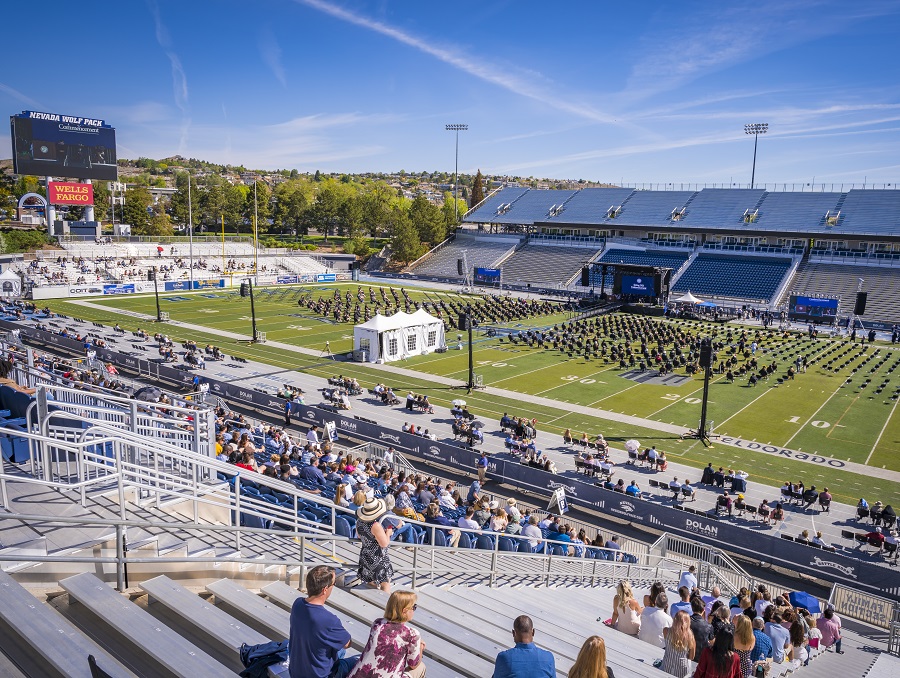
(718, 637)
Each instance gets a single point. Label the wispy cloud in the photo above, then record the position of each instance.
(525, 86)
(270, 51)
(687, 46)
(179, 79)
(16, 94)
(321, 121)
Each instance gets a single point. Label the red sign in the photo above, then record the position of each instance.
(61, 193)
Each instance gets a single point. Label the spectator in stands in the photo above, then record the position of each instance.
(799, 653)
(318, 640)
(513, 511)
(701, 629)
(744, 642)
(374, 563)
(762, 649)
(467, 521)
(481, 466)
(533, 532)
(627, 611)
(876, 538)
(780, 637)
(655, 589)
(719, 660)
(525, 660)
(656, 622)
(778, 513)
(394, 650)
(830, 630)
(680, 647)
(714, 595)
(633, 490)
(591, 660)
(688, 578)
(683, 605)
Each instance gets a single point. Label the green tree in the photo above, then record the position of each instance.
(452, 213)
(293, 200)
(325, 208)
(477, 190)
(160, 225)
(102, 205)
(137, 202)
(376, 206)
(428, 220)
(405, 243)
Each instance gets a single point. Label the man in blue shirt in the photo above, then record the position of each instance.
(780, 637)
(763, 648)
(318, 640)
(525, 660)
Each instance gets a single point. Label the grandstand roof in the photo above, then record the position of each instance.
(861, 212)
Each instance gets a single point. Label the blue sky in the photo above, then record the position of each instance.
(633, 92)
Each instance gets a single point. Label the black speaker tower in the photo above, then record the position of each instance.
(861, 299)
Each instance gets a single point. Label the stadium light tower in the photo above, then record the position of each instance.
(755, 128)
(459, 127)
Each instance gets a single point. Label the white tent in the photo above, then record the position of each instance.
(402, 335)
(687, 299)
(10, 285)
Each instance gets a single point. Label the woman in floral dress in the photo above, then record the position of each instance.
(394, 650)
(374, 563)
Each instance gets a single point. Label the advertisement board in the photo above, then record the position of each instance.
(50, 144)
(642, 285)
(69, 193)
(209, 283)
(286, 280)
(487, 276)
(812, 309)
(177, 285)
(326, 277)
(119, 289)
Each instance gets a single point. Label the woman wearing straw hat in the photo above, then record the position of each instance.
(374, 563)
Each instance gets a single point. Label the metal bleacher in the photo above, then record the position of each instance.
(653, 208)
(840, 281)
(789, 211)
(871, 212)
(530, 206)
(480, 251)
(592, 205)
(545, 264)
(735, 277)
(720, 207)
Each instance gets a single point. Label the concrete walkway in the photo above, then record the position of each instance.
(853, 467)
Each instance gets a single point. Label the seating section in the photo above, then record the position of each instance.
(721, 207)
(592, 205)
(737, 277)
(489, 208)
(791, 211)
(545, 264)
(652, 208)
(840, 281)
(867, 212)
(480, 251)
(613, 255)
(531, 206)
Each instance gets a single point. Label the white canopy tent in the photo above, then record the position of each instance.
(687, 299)
(402, 335)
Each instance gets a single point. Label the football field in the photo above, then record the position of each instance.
(842, 407)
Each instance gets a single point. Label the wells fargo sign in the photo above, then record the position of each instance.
(70, 193)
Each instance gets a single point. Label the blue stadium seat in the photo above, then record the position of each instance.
(484, 542)
(507, 544)
(342, 527)
(465, 540)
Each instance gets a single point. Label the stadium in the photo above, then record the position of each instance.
(596, 431)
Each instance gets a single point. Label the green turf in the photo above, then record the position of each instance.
(817, 412)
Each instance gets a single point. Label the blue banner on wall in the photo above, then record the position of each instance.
(119, 289)
(177, 286)
(326, 277)
(286, 279)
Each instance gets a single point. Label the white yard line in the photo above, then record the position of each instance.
(883, 428)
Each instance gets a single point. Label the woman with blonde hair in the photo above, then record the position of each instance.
(626, 610)
(499, 521)
(340, 498)
(744, 642)
(591, 661)
(394, 649)
(680, 647)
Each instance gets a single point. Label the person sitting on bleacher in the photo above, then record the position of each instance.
(675, 486)
(318, 640)
(525, 660)
(633, 490)
(708, 474)
(810, 496)
(740, 505)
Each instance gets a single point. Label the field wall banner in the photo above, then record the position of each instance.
(66, 193)
(119, 289)
(862, 576)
